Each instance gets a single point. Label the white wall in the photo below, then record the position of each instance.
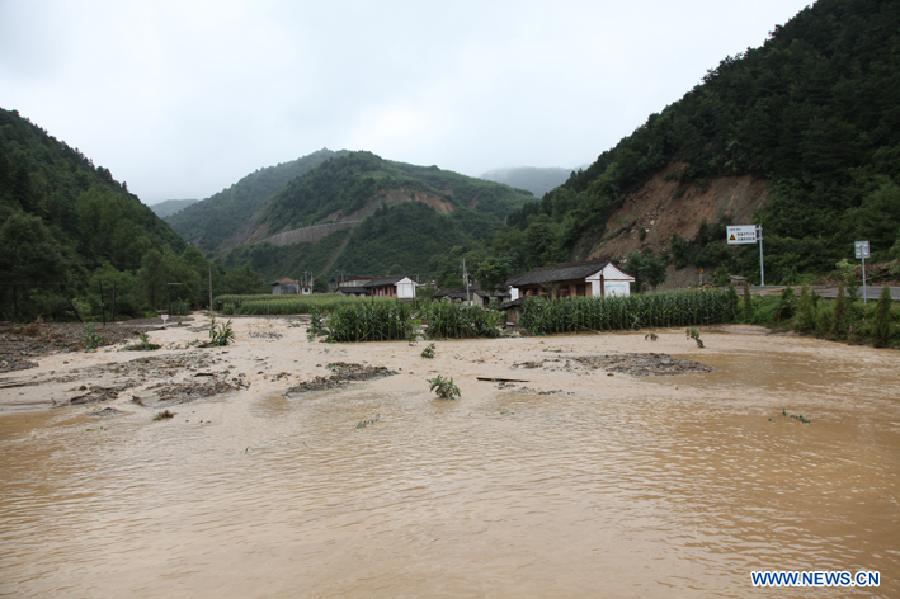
(406, 288)
(614, 288)
(513, 293)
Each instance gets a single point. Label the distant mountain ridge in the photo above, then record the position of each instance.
(537, 180)
(220, 221)
(349, 211)
(170, 207)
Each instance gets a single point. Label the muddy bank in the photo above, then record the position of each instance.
(343, 373)
(21, 344)
(643, 364)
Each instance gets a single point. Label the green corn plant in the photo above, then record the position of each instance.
(444, 388)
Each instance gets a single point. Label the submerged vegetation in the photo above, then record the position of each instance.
(219, 335)
(370, 321)
(444, 388)
(449, 320)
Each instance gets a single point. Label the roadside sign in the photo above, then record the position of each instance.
(748, 235)
(861, 248)
(741, 235)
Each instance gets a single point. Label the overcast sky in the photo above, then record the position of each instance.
(183, 98)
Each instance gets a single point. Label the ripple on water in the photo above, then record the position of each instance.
(536, 494)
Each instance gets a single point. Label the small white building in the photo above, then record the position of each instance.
(406, 288)
(614, 281)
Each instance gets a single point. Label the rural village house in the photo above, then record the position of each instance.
(285, 285)
(397, 286)
(586, 279)
(479, 297)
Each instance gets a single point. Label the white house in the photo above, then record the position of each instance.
(614, 281)
(586, 279)
(399, 287)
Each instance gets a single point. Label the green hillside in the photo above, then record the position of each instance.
(70, 230)
(412, 219)
(210, 223)
(354, 182)
(170, 207)
(814, 111)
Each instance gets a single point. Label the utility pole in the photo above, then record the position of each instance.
(762, 269)
(466, 279)
(209, 285)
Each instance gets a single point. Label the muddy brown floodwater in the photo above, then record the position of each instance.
(572, 483)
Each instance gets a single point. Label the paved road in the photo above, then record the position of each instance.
(829, 292)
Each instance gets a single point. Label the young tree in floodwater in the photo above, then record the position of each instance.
(882, 329)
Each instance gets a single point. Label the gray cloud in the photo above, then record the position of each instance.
(182, 98)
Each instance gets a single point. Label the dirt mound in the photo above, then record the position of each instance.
(642, 364)
(343, 373)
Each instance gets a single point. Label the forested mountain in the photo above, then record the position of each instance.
(807, 126)
(170, 207)
(69, 229)
(361, 213)
(534, 179)
(218, 221)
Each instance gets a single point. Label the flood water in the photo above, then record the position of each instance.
(680, 489)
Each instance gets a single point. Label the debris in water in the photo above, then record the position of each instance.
(164, 415)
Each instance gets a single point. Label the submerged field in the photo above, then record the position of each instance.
(614, 465)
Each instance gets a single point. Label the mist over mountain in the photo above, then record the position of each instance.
(537, 180)
(170, 207)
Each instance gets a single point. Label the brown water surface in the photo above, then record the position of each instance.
(678, 487)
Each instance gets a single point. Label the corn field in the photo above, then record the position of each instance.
(370, 320)
(277, 305)
(542, 316)
(447, 320)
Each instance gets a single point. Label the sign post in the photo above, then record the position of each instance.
(746, 235)
(861, 249)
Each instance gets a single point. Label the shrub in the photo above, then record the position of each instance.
(428, 352)
(220, 335)
(881, 332)
(806, 311)
(693, 333)
(92, 340)
(315, 324)
(839, 320)
(444, 388)
(786, 305)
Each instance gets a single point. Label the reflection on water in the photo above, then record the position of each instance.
(665, 492)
